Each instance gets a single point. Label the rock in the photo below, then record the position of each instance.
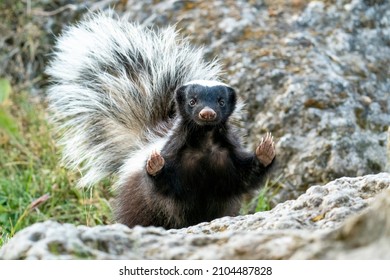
(327, 222)
(366, 236)
(388, 150)
(330, 107)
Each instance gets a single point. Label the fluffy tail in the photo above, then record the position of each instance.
(112, 91)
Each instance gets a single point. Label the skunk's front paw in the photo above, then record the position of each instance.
(265, 152)
(155, 163)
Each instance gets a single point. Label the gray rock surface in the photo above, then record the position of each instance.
(327, 222)
(388, 150)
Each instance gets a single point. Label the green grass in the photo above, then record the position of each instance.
(262, 200)
(30, 169)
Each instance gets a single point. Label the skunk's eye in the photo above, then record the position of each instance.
(221, 102)
(192, 102)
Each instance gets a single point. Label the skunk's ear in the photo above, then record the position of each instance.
(180, 94)
(232, 96)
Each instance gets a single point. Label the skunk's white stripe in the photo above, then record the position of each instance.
(206, 83)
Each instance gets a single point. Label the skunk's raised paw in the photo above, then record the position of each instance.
(265, 151)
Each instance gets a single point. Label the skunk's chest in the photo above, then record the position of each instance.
(205, 172)
(206, 156)
(210, 158)
(203, 168)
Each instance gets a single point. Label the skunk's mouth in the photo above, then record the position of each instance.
(202, 122)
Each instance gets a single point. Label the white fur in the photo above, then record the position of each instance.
(206, 83)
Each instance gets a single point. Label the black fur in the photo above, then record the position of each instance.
(206, 170)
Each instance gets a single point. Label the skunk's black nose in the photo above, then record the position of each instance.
(207, 114)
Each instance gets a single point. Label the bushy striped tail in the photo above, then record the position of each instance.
(112, 90)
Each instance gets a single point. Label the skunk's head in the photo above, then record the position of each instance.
(206, 102)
